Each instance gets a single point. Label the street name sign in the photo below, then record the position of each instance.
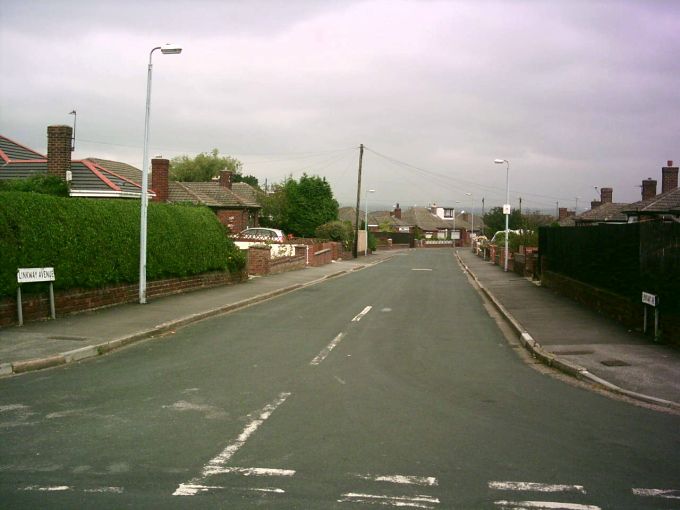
(650, 299)
(35, 274)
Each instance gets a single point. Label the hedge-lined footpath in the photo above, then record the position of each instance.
(94, 243)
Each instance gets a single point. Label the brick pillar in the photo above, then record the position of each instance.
(606, 195)
(648, 188)
(226, 178)
(159, 178)
(259, 259)
(669, 177)
(59, 150)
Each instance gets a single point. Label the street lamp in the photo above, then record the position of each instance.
(454, 223)
(168, 49)
(472, 216)
(506, 207)
(366, 222)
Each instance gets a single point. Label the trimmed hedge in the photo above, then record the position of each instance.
(93, 243)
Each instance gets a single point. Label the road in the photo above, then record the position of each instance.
(388, 387)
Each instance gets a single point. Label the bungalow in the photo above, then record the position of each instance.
(436, 222)
(234, 203)
(665, 206)
(601, 211)
(92, 178)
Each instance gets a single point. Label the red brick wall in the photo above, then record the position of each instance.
(259, 259)
(36, 307)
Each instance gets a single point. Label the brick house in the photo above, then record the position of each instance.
(91, 178)
(664, 206)
(234, 203)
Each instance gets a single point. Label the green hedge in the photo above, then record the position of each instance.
(93, 243)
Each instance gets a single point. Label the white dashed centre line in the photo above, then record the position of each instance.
(543, 505)
(537, 487)
(327, 350)
(361, 314)
(658, 493)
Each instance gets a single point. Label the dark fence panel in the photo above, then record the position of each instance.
(397, 237)
(624, 259)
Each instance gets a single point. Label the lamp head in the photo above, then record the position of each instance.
(170, 49)
(499, 161)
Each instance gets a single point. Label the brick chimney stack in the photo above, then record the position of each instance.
(564, 213)
(595, 203)
(59, 150)
(669, 177)
(648, 188)
(606, 195)
(160, 169)
(226, 178)
(397, 212)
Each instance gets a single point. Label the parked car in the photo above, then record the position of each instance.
(262, 234)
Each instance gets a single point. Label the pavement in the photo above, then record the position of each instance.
(556, 330)
(578, 341)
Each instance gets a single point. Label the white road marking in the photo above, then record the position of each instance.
(327, 350)
(537, 487)
(61, 488)
(361, 314)
(658, 493)
(419, 269)
(543, 505)
(419, 501)
(115, 490)
(191, 489)
(47, 489)
(255, 471)
(216, 464)
(429, 481)
(339, 380)
(273, 490)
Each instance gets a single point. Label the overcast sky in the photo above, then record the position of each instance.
(574, 94)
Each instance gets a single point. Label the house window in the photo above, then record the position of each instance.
(448, 213)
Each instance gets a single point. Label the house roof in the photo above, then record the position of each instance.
(349, 214)
(425, 220)
(130, 172)
(89, 178)
(212, 194)
(604, 213)
(668, 202)
(381, 217)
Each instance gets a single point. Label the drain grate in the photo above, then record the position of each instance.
(573, 353)
(614, 363)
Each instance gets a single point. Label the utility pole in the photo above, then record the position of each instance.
(482, 207)
(557, 209)
(520, 206)
(356, 228)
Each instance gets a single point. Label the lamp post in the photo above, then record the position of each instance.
(472, 215)
(453, 234)
(506, 207)
(366, 221)
(168, 49)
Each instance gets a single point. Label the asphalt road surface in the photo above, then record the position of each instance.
(388, 387)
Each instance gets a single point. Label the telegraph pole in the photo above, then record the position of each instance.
(356, 228)
(482, 207)
(520, 206)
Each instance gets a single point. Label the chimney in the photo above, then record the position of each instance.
(159, 178)
(606, 195)
(397, 212)
(648, 188)
(225, 178)
(595, 203)
(564, 213)
(669, 177)
(58, 150)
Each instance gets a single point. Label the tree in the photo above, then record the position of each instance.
(248, 179)
(299, 207)
(203, 167)
(495, 221)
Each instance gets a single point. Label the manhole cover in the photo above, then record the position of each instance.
(572, 353)
(614, 363)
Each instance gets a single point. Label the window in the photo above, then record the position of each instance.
(448, 213)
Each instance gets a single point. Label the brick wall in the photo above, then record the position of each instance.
(259, 259)
(36, 307)
(59, 150)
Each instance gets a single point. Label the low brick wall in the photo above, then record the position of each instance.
(307, 254)
(66, 302)
(617, 307)
(283, 264)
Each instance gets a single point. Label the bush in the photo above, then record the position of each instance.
(93, 243)
(337, 230)
(44, 184)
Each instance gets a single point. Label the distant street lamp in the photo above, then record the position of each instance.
(506, 207)
(454, 223)
(472, 215)
(366, 222)
(168, 49)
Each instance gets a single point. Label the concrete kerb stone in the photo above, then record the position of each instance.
(88, 351)
(38, 364)
(554, 361)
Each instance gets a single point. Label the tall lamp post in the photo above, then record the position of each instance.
(472, 215)
(366, 221)
(168, 49)
(506, 207)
